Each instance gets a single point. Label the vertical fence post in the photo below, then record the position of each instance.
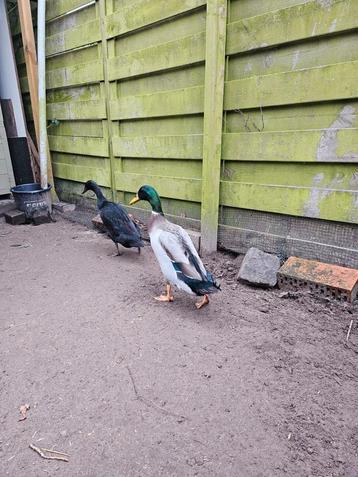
(213, 115)
(107, 92)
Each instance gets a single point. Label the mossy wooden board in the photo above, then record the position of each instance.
(240, 9)
(296, 117)
(293, 57)
(77, 110)
(185, 51)
(329, 204)
(162, 126)
(325, 145)
(292, 24)
(59, 7)
(77, 128)
(186, 77)
(324, 176)
(81, 173)
(162, 167)
(176, 188)
(79, 145)
(176, 147)
(325, 83)
(147, 12)
(165, 103)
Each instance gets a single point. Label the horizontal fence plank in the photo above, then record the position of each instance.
(175, 188)
(296, 174)
(70, 39)
(293, 118)
(79, 145)
(162, 167)
(240, 9)
(324, 83)
(77, 110)
(322, 203)
(147, 12)
(85, 73)
(293, 57)
(82, 74)
(168, 126)
(164, 103)
(73, 38)
(177, 147)
(291, 24)
(325, 145)
(60, 7)
(185, 51)
(82, 173)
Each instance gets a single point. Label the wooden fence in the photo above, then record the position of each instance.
(242, 113)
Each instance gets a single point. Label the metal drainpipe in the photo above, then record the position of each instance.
(41, 60)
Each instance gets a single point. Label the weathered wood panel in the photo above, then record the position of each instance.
(314, 202)
(78, 173)
(291, 24)
(79, 145)
(60, 7)
(176, 147)
(325, 145)
(176, 188)
(165, 103)
(186, 51)
(293, 57)
(293, 174)
(77, 110)
(325, 83)
(162, 167)
(147, 12)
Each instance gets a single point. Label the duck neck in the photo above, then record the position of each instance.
(101, 200)
(156, 205)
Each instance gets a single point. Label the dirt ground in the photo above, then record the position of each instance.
(259, 383)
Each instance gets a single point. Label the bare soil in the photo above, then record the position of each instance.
(258, 383)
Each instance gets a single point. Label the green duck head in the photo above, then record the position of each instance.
(148, 193)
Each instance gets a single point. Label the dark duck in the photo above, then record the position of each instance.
(119, 226)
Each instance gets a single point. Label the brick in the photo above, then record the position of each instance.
(322, 278)
(41, 217)
(6, 205)
(15, 217)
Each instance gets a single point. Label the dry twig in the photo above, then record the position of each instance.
(151, 404)
(349, 330)
(57, 455)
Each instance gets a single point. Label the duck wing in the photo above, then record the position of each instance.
(119, 225)
(187, 264)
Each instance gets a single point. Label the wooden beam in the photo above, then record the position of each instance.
(28, 40)
(213, 115)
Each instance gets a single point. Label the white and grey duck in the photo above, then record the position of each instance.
(178, 259)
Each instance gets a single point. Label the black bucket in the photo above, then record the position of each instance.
(31, 198)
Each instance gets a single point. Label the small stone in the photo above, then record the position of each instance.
(64, 207)
(259, 268)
